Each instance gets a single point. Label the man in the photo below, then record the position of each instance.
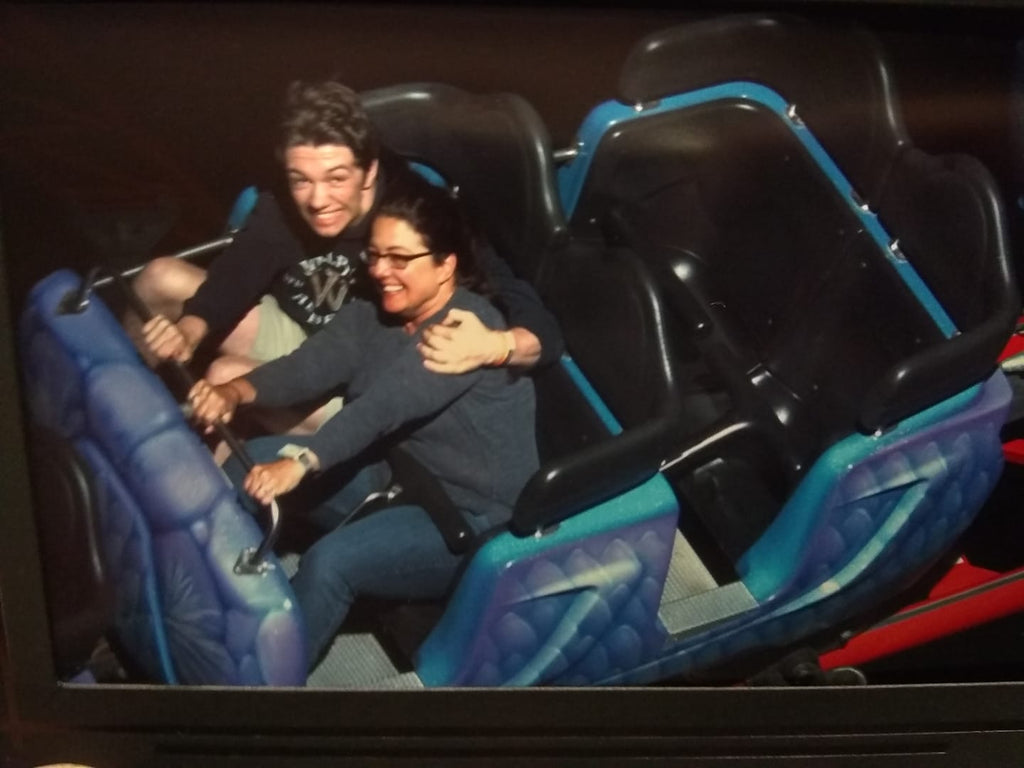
(292, 266)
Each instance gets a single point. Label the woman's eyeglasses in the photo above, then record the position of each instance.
(398, 261)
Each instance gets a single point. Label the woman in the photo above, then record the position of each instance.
(473, 431)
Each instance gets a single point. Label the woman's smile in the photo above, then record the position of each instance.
(413, 282)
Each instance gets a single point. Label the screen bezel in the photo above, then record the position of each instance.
(626, 721)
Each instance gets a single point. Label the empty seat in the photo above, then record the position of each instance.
(944, 212)
(813, 320)
(807, 258)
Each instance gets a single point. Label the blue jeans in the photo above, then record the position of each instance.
(393, 553)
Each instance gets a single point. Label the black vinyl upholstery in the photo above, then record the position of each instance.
(765, 268)
(79, 593)
(944, 211)
(611, 315)
(950, 224)
(728, 211)
(836, 77)
(493, 147)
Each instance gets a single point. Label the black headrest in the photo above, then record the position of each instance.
(493, 147)
(836, 78)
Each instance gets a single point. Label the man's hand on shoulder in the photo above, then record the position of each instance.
(461, 343)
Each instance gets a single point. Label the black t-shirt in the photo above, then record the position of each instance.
(311, 291)
(276, 252)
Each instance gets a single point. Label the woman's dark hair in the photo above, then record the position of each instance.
(437, 215)
(318, 113)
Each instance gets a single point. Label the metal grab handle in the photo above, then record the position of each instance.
(188, 253)
(252, 559)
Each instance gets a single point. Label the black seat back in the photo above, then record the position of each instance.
(80, 596)
(777, 273)
(721, 199)
(945, 212)
(732, 200)
(612, 318)
(949, 221)
(493, 147)
(836, 78)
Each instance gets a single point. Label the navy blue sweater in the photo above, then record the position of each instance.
(473, 431)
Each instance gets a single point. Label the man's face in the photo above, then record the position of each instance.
(328, 188)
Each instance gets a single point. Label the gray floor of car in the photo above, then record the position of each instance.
(692, 598)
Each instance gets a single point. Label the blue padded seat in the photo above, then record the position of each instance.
(170, 525)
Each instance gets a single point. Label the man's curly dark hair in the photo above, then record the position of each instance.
(327, 112)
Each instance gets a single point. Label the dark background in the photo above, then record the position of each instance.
(127, 129)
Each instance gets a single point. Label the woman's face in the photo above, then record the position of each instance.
(412, 284)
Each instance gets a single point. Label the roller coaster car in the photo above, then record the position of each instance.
(779, 407)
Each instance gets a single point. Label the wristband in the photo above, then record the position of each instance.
(510, 340)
